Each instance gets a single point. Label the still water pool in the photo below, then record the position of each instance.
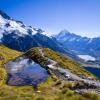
(24, 71)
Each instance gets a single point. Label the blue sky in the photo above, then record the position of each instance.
(78, 16)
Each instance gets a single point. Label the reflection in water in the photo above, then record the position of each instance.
(24, 71)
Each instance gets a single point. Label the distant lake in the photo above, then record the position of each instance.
(24, 71)
(95, 71)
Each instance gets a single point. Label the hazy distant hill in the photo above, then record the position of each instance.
(88, 48)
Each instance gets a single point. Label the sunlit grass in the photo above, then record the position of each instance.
(65, 62)
(52, 89)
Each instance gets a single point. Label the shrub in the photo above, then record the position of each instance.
(92, 96)
(40, 98)
(57, 83)
(68, 85)
(3, 75)
(64, 90)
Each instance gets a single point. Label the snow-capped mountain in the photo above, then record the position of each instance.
(9, 25)
(18, 36)
(83, 46)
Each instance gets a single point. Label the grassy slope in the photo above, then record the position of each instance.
(67, 63)
(52, 89)
(62, 61)
(55, 88)
(7, 54)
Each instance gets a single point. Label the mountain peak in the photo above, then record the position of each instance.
(65, 31)
(4, 15)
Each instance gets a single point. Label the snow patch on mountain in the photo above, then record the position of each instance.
(2, 20)
(15, 26)
(8, 26)
(46, 34)
(1, 34)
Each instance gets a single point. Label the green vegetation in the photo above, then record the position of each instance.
(62, 61)
(7, 54)
(35, 54)
(92, 96)
(65, 62)
(52, 89)
(3, 76)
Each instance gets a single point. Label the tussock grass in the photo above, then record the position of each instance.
(52, 89)
(65, 62)
(7, 54)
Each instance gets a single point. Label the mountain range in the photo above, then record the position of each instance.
(16, 35)
(84, 47)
